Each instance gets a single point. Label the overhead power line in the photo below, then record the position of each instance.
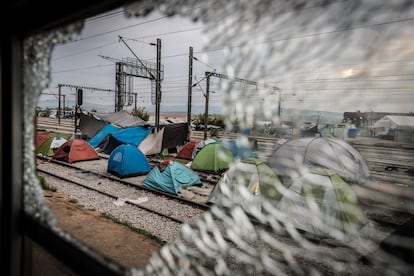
(116, 30)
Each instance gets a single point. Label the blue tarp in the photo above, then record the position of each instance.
(239, 150)
(132, 135)
(126, 161)
(101, 134)
(170, 180)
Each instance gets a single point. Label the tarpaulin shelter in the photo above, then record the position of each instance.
(186, 151)
(75, 150)
(41, 137)
(102, 133)
(253, 174)
(322, 203)
(152, 144)
(122, 118)
(48, 147)
(90, 125)
(293, 157)
(174, 135)
(212, 157)
(108, 144)
(132, 135)
(171, 178)
(126, 161)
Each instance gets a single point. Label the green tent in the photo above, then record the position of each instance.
(253, 174)
(48, 147)
(321, 202)
(212, 157)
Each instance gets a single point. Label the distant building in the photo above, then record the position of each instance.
(368, 119)
(397, 128)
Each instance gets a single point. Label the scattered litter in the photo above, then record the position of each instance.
(139, 200)
(119, 202)
(122, 201)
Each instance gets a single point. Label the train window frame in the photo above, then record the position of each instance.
(19, 229)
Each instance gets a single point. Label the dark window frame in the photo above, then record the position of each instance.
(25, 18)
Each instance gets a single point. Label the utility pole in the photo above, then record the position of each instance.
(135, 100)
(158, 86)
(206, 108)
(118, 83)
(58, 111)
(279, 105)
(190, 87)
(64, 105)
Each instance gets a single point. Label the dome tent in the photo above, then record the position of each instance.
(186, 151)
(75, 150)
(212, 157)
(253, 174)
(322, 203)
(292, 158)
(171, 178)
(126, 161)
(48, 147)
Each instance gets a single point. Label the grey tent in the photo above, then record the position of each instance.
(122, 118)
(293, 158)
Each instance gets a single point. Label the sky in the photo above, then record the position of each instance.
(319, 58)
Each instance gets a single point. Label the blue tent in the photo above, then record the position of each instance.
(101, 134)
(132, 135)
(170, 180)
(126, 161)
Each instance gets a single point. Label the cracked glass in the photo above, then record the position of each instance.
(321, 92)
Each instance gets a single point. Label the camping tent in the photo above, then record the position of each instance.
(171, 178)
(292, 158)
(322, 203)
(75, 150)
(253, 174)
(152, 144)
(212, 157)
(201, 145)
(127, 161)
(101, 134)
(49, 146)
(108, 144)
(41, 137)
(186, 151)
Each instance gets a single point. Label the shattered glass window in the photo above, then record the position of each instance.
(322, 93)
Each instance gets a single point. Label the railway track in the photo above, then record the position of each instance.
(388, 199)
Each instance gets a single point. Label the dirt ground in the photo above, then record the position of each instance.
(114, 240)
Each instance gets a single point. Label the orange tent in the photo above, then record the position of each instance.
(76, 150)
